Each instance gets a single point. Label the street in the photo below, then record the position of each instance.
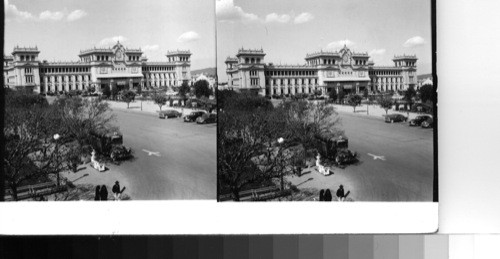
(396, 162)
(173, 160)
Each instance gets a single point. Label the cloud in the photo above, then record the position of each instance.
(377, 52)
(226, 11)
(274, 17)
(51, 16)
(112, 40)
(339, 44)
(414, 42)
(188, 37)
(76, 15)
(150, 47)
(303, 18)
(11, 12)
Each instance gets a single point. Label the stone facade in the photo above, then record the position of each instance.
(118, 67)
(323, 72)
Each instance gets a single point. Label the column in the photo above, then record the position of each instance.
(130, 84)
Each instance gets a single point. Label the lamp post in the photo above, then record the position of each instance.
(280, 141)
(56, 138)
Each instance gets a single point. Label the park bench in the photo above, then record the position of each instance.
(260, 193)
(34, 190)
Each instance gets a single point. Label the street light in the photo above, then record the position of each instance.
(280, 141)
(56, 137)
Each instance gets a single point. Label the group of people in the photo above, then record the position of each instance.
(101, 192)
(326, 195)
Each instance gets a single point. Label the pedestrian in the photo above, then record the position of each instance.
(104, 193)
(322, 195)
(97, 193)
(340, 193)
(116, 191)
(328, 195)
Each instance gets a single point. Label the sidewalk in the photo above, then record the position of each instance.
(147, 106)
(373, 111)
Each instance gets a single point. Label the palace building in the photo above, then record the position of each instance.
(323, 71)
(117, 66)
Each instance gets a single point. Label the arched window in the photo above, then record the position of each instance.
(246, 60)
(253, 60)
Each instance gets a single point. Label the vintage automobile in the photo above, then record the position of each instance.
(207, 118)
(419, 120)
(169, 114)
(395, 118)
(429, 123)
(193, 116)
(336, 149)
(110, 145)
(120, 152)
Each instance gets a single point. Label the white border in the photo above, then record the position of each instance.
(210, 217)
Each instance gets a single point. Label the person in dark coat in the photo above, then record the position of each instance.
(116, 191)
(104, 193)
(328, 195)
(340, 193)
(322, 195)
(97, 193)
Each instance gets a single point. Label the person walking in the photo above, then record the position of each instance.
(104, 193)
(116, 191)
(322, 195)
(97, 193)
(340, 193)
(328, 195)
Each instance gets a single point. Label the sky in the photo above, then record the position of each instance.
(289, 29)
(60, 29)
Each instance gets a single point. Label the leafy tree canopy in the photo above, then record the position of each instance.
(202, 88)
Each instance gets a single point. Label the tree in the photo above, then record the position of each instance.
(160, 99)
(427, 93)
(354, 100)
(201, 88)
(341, 95)
(246, 102)
(409, 94)
(184, 90)
(223, 97)
(386, 103)
(32, 151)
(114, 92)
(333, 95)
(106, 92)
(365, 93)
(127, 96)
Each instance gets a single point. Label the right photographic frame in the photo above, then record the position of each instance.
(326, 101)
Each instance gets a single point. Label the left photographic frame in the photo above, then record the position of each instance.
(109, 101)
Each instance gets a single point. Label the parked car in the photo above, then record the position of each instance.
(169, 114)
(120, 152)
(419, 119)
(193, 116)
(395, 118)
(110, 144)
(207, 118)
(429, 123)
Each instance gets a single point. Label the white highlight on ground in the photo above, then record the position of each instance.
(375, 157)
(151, 152)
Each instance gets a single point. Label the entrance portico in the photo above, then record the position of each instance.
(120, 81)
(348, 85)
